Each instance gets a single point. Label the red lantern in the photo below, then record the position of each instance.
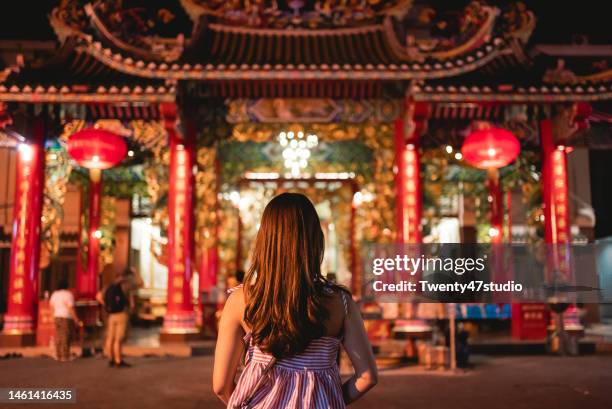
(97, 148)
(490, 148)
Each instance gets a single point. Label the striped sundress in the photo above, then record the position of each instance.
(309, 380)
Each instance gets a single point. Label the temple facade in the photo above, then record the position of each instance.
(363, 106)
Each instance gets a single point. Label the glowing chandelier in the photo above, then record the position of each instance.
(296, 150)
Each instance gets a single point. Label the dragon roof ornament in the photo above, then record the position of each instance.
(413, 33)
(309, 14)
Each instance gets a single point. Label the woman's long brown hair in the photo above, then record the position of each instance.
(284, 285)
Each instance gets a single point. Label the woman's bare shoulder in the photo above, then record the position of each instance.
(235, 305)
(235, 296)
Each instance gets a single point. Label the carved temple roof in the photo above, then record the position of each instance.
(130, 50)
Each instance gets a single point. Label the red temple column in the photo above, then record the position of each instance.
(408, 186)
(87, 280)
(556, 230)
(554, 187)
(79, 262)
(208, 269)
(179, 320)
(408, 178)
(556, 222)
(496, 205)
(20, 318)
(556, 203)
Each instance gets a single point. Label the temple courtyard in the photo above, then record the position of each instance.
(523, 382)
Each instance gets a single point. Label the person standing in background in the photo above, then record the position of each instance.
(64, 315)
(118, 301)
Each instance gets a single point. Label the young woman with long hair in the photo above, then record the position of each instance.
(291, 321)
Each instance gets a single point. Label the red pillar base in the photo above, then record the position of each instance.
(179, 327)
(17, 340)
(178, 338)
(18, 324)
(18, 331)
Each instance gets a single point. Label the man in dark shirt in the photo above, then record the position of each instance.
(118, 301)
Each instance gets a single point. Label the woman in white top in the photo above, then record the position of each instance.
(64, 315)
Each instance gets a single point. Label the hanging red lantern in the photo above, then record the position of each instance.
(96, 148)
(490, 148)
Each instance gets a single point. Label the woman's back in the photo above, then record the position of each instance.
(309, 379)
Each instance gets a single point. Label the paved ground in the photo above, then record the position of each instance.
(506, 382)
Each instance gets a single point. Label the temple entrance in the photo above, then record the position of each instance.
(347, 174)
(333, 198)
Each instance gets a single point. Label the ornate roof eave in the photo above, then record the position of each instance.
(67, 94)
(381, 72)
(542, 94)
(172, 50)
(380, 39)
(400, 53)
(479, 38)
(597, 77)
(584, 80)
(70, 75)
(598, 55)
